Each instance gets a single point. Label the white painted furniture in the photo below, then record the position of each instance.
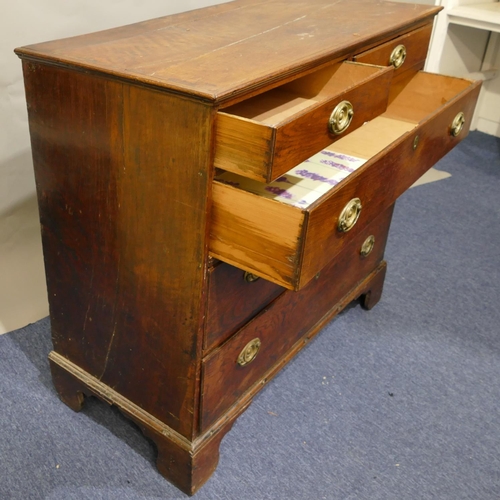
(466, 43)
(472, 13)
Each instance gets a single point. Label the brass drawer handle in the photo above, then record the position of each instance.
(249, 277)
(341, 117)
(349, 215)
(458, 124)
(249, 352)
(367, 246)
(398, 56)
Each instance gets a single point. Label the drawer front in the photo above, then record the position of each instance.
(234, 297)
(392, 171)
(288, 245)
(407, 52)
(288, 318)
(265, 136)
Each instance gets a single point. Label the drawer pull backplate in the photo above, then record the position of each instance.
(249, 352)
(349, 215)
(398, 56)
(249, 277)
(341, 117)
(458, 124)
(367, 246)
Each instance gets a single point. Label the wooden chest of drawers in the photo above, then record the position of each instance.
(177, 286)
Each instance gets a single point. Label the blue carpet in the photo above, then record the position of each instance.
(401, 402)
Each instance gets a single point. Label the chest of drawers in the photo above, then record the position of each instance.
(177, 286)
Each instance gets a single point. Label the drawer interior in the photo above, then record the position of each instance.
(306, 183)
(423, 94)
(256, 228)
(412, 103)
(285, 103)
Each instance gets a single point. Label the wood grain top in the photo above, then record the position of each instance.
(225, 51)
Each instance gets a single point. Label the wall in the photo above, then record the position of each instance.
(463, 55)
(22, 284)
(464, 52)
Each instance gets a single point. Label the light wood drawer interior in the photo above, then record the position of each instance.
(288, 244)
(266, 135)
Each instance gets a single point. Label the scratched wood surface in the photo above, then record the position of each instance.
(119, 186)
(262, 42)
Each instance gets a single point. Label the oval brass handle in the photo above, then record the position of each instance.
(398, 56)
(249, 352)
(457, 124)
(349, 215)
(341, 117)
(249, 277)
(367, 246)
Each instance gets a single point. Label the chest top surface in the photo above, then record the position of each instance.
(221, 52)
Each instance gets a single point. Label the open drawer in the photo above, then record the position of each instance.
(290, 244)
(266, 135)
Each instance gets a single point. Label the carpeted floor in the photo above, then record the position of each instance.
(402, 402)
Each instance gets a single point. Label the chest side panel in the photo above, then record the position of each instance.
(123, 179)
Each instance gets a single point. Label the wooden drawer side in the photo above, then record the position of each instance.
(242, 145)
(256, 234)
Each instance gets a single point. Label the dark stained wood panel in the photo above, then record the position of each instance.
(121, 175)
(232, 301)
(262, 42)
(390, 173)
